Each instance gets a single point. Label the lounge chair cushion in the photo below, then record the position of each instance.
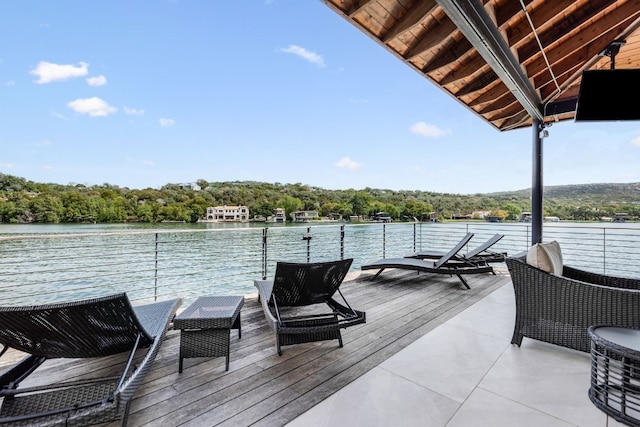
(547, 257)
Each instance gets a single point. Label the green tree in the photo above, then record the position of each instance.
(47, 208)
(290, 204)
(513, 211)
(413, 208)
(360, 203)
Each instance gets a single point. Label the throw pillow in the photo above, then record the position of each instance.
(547, 257)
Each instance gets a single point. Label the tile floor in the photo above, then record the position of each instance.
(467, 373)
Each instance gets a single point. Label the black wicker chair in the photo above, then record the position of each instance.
(560, 309)
(90, 328)
(289, 301)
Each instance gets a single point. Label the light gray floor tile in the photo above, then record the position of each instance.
(449, 360)
(503, 295)
(468, 367)
(487, 409)
(380, 398)
(548, 378)
(487, 317)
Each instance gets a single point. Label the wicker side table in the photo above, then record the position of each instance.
(205, 327)
(615, 372)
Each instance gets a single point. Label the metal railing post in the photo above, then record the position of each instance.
(264, 253)
(308, 239)
(414, 237)
(341, 242)
(155, 273)
(384, 241)
(604, 251)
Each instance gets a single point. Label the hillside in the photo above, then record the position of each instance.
(23, 201)
(591, 194)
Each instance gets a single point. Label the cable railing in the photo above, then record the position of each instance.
(159, 264)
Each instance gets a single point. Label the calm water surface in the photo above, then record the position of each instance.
(195, 259)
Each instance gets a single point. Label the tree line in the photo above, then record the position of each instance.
(23, 201)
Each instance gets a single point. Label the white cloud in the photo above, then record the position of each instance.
(428, 130)
(94, 107)
(46, 167)
(636, 141)
(347, 163)
(10, 83)
(48, 72)
(418, 169)
(7, 165)
(97, 81)
(305, 54)
(148, 163)
(166, 123)
(133, 111)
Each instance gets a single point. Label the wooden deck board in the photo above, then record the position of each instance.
(264, 389)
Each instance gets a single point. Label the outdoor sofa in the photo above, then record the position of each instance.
(558, 304)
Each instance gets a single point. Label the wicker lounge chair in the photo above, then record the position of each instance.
(81, 329)
(446, 264)
(559, 309)
(479, 254)
(295, 301)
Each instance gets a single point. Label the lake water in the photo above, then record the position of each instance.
(67, 261)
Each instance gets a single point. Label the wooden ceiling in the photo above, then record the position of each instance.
(506, 60)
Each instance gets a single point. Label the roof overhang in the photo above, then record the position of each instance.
(508, 61)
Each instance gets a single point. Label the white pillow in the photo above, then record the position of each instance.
(547, 257)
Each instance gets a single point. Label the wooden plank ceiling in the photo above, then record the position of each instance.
(431, 39)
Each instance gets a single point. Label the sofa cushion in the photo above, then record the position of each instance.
(546, 256)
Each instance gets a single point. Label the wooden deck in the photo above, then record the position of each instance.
(264, 389)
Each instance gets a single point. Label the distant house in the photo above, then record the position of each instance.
(621, 217)
(189, 186)
(461, 216)
(227, 213)
(304, 216)
(279, 215)
(381, 217)
(480, 214)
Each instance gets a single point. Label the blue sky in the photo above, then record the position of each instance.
(144, 93)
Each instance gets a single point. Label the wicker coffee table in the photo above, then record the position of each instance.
(615, 372)
(205, 327)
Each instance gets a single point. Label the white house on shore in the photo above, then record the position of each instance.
(227, 213)
(280, 216)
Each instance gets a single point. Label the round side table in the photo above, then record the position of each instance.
(615, 372)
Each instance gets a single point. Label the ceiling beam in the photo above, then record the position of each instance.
(473, 21)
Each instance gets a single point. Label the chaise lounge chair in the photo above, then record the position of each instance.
(446, 264)
(291, 300)
(478, 254)
(89, 328)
